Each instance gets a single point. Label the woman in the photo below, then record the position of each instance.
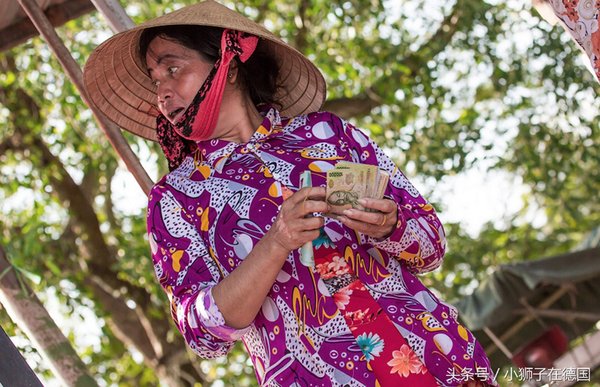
(226, 224)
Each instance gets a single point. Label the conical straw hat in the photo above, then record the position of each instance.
(118, 84)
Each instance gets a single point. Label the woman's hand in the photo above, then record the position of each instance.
(292, 228)
(241, 294)
(376, 224)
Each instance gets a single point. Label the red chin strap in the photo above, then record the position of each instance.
(233, 43)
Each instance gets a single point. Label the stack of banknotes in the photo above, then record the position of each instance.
(348, 182)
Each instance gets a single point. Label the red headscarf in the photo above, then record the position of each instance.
(199, 120)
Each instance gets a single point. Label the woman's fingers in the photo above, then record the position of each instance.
(294, 226)
(309, 200)
(385, 211)
(382, 205)
(315, 193)
(376, 224)
(310, 206)
(310, 224)
(295, 233)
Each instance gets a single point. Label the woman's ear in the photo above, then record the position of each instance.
(232, 73)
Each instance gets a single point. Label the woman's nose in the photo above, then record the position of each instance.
(164, 92)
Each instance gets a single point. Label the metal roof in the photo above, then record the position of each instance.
(519, 300)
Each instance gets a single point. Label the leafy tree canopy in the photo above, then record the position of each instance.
(444, 86)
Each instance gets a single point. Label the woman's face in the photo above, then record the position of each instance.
(178, 72)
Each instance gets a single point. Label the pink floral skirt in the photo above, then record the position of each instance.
(387, 353)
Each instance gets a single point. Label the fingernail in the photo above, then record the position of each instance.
(362, 202)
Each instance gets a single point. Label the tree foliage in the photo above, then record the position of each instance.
(445, 86)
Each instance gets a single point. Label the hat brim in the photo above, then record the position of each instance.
(118, 85)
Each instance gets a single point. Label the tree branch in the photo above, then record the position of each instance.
(14, 143)
(107, 287)
(300, 41)
(362, 104)
(134, 327)
(121, 316)
(108, 202)
(262, 12)
(357, 106)
(89, 184)
(440, 39)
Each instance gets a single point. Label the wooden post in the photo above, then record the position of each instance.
(14, 370)
(72, 69)
(26, 310)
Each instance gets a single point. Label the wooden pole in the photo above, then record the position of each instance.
(498, 342)
(14, 370)
(72, 69)
(558, 293)
(26, 310)
(114, 14)
(567, 315)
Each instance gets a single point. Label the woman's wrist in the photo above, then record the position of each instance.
(275, 248)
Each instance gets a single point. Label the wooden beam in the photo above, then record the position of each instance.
(558, 293)
(568, 315)
(499, 343)
(23, 29)
(115, 137)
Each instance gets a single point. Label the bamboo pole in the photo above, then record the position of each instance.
(26, 310)
(72, 69)
(114, 14)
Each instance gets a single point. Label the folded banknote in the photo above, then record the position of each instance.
(348, 182)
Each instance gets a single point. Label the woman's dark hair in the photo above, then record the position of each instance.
(258, 75)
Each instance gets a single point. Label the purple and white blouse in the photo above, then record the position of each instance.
(205, 217)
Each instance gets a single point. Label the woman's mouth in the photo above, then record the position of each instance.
(174, 114)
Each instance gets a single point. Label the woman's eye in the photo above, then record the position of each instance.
(172, 70)
(155, 82)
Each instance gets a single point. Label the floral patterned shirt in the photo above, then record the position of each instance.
(205, 217)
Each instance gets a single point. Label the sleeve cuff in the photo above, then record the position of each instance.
(212, 320)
